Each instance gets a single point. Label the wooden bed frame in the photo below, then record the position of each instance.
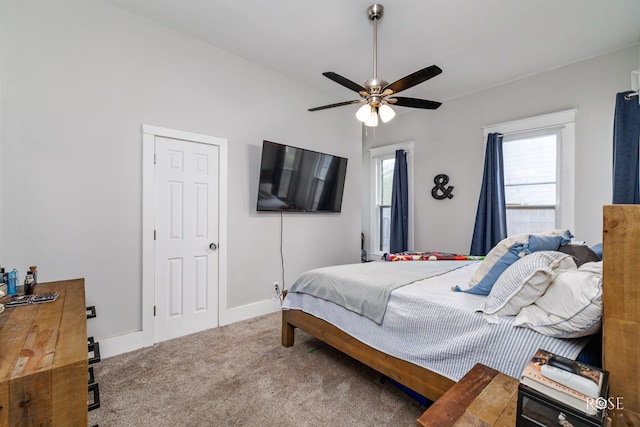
(621, 324)
(417, 378)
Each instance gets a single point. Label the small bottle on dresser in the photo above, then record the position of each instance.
(34, 270)
(12, 282)
(29, 283)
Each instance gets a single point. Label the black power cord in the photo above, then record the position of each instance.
(282, 254)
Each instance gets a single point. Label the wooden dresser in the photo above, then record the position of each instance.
(44, 359)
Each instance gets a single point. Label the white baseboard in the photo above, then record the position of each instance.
(249, 311)
(125, 343)
(120, 344)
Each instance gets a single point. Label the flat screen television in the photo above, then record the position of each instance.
(298, 180)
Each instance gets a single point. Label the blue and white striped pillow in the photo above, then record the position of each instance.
(524, 281)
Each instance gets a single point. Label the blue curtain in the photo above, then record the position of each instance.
(626, 143)
(399, 234)
(491, 217)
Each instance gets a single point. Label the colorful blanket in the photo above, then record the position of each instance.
(429, 256)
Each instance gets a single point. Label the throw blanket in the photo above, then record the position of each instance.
(429, 256)
(365, 288)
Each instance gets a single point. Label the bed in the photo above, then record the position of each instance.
(394, 346)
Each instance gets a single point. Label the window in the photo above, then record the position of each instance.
(382, 167)
(383, 203)
(530, 180)
(538, 171)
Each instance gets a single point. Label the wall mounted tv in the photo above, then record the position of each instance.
(298, 180)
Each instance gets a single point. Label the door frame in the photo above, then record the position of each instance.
(149, 134)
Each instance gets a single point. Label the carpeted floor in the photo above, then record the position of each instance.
(240, 375)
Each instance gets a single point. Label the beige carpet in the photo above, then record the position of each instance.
(240, 375)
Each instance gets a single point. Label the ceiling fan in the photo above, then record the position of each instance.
(376, 94)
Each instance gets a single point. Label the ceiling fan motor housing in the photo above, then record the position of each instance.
(375, 85)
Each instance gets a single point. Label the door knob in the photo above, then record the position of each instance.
(213, 246)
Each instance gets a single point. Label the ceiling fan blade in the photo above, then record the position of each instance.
(403, 101)
(413, 79)
(344, 82)
(339, 104)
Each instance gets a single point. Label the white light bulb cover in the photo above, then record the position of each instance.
(386, 113)
(373, 119)
(363, 113)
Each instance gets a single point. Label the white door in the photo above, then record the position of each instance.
(187, 230)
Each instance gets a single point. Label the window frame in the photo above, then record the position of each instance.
(562, 122)
(376, 155)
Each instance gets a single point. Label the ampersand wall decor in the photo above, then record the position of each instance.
(440, 192)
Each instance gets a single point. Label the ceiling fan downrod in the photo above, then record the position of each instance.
(375, 13)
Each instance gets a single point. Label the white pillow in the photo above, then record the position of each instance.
(571, 307)
(524, 281)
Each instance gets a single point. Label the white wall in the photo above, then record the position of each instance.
(449, 140)
(78, 79)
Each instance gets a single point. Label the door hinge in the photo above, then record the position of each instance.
(154, 234)
(154, 311)
(155, 158)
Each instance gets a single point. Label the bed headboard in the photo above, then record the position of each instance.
(621, 302)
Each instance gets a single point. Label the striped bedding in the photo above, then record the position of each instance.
(429, 325)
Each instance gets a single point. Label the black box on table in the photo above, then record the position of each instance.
(537, 409)
(558, 391)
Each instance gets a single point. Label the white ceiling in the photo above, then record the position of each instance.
(478, 43)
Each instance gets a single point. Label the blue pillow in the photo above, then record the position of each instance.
(597, 248)
(541, 242)
(536, 243)
(483, 287)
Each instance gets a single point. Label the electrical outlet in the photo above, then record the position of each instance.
(276, 288)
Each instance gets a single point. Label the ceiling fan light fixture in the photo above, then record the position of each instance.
(386, 113)
(372, 121)
(364, 113)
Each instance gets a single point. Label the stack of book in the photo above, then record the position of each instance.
(555, 390)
